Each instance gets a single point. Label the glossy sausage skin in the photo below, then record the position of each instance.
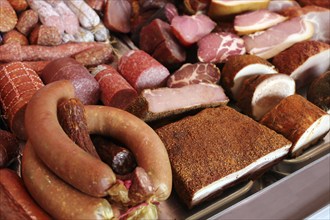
(142, 140)
(57, 150)
(58, 198)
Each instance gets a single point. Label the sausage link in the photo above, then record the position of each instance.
(59, 199)
(142, 140)
(57, 150)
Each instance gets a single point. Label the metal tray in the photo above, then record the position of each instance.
(313, 153)
(173, 208)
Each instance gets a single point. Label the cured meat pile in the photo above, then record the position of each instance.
(106, 101)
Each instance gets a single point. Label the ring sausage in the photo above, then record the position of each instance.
(56, 197)
(57, 150)
(142, 140)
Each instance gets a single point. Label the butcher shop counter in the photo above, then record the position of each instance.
(293, 189)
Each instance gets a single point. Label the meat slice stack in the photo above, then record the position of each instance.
(216, 149)
(299, 121)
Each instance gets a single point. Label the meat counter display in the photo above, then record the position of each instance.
(139, 109)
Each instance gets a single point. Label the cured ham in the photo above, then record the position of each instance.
(155, 104)
(300, 121)
(308, 60)
(117, 15)
(276, 39)
(239, 67)
(193, 74)
(190, 29)
(217, 47)
(320, 17)
(256, 21)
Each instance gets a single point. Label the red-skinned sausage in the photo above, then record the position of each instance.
(59, 199)
(142, 140)
(57, 150)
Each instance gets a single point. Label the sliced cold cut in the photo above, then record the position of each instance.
(190, 29)
(274, 40)
(299, 121)
(239, 67)
(193, 74)
(217, 47)
(307, 60)
(154, 104)
(141, 70)
(260, 93)
(251, 22)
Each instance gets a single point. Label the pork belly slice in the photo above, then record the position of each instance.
(190, 28)
(307, 60)
(239, 67)
(154, 104)
(254, 21)
(300, 121)
(216, 149)
(260, 93)
(274, 40)
(193, 74)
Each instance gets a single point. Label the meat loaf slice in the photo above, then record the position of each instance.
(217, 148)
(308, 60)
(300, 121)
(260, 93)
(154, 104)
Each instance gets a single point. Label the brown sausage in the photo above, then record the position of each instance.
(9, 147)
(8, 16)
(19, 5)
(27, 21)
(15, 36)
(16, 203)
(57, 150)
(59, 199)
(142, 140)
(45, 35)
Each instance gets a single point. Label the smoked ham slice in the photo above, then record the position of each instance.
(307, 60)
(239, 67)
(320, 17)
(260, 93)
(193, 74)
(190, 29)
(256, 21)
(216, 149)
(154, 104)
(274, 40)
(217, 47)
(300, 121)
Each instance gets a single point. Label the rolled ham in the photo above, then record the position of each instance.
(276, 39)
(154, 104)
